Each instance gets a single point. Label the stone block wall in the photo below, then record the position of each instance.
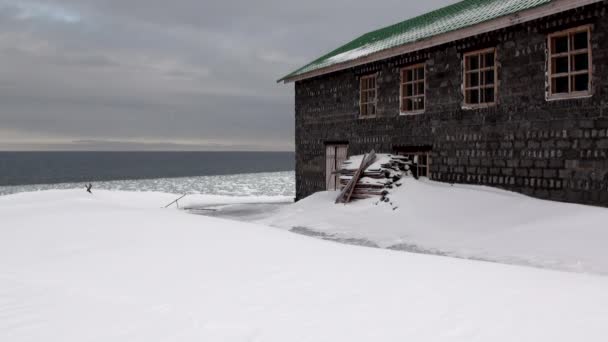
(547, 149)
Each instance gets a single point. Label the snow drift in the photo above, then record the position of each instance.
(115, 267)
(465, 221)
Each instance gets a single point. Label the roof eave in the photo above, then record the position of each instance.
(551, 8)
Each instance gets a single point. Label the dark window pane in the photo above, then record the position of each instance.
(420, 72)
(580, 62)
(473, 79)
(579, 40)
(416, 101)
(410, 75)
(421, 103)
(372, 109)
(559, 44)
(560, 65)
(560, 85)
(473, 62)
(363, 97)
(489, 59)
(371, 96)
(473, 96)
(419, 88)
(581, 82)
(488, 77)
(489, 95)
(409, 90)
(409, 105)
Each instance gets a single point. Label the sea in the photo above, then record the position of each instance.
(217, 173)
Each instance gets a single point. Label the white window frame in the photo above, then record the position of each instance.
(550, 55)
(480, 70)
(403, 83)
(374, 102)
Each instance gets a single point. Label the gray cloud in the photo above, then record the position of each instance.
(186, 74)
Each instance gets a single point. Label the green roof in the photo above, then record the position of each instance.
(451, 18)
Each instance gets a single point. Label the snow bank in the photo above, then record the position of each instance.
(464, 221)
(115, 267)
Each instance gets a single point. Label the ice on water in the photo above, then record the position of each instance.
(250, 184)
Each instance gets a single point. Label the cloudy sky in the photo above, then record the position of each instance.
(158, 74)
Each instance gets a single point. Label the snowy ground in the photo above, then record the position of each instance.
(113, 266)
(463, 221)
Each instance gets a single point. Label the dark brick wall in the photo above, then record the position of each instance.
(548, 149)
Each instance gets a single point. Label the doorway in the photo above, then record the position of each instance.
(335, 155)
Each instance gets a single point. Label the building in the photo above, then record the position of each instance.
(504, 93)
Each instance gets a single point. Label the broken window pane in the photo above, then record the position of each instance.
(413, 87)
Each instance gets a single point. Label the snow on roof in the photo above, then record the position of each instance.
(450, 18)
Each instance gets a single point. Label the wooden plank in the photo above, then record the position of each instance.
(329, 167)
(346, 193)
(367, 161)
(176, 201)
(351, 183)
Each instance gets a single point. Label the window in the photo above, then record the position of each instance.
(419, 156)
(421, 161)
(412, 89)
(570, 63)
(367, 102)
(480, 73)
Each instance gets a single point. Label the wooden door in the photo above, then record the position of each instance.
(335, 154)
